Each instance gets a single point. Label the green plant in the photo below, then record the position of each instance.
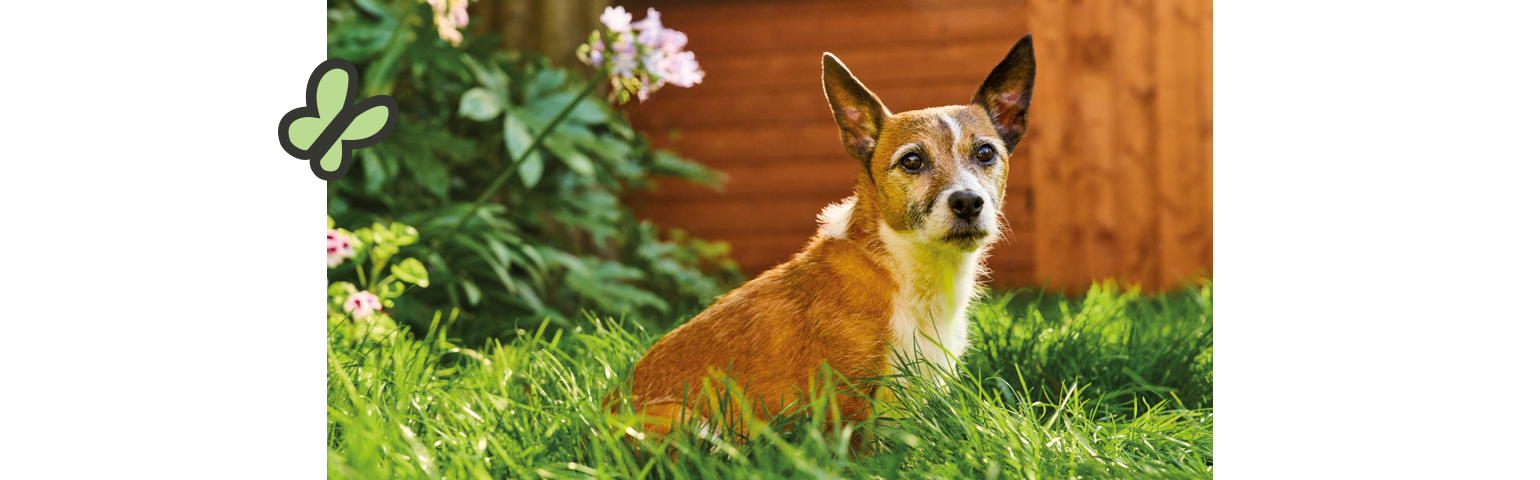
(554, 243)
(379, 243)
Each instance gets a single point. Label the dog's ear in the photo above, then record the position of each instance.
(857, 111)
(1007, 92)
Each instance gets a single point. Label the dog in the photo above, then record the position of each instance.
(887, 278)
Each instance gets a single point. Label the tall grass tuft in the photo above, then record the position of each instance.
(1125, 349)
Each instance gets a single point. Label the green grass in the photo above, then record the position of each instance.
(1121, 347)
(1112, 385)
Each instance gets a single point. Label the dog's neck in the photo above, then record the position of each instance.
(935, 284)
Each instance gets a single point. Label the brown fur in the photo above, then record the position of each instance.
(834, 302)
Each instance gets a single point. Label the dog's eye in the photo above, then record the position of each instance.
(911, 162)
(985, 155)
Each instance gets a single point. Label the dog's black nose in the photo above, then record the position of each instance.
(966, 205)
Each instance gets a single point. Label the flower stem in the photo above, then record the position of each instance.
(533, 145)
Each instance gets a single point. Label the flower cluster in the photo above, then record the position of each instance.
(339, 246)
(362, 304)
(450, 16)
(640, 57)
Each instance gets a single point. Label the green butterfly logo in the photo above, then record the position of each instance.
(326, 130)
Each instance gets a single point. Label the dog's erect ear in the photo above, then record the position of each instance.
(1008, 91)
(857, 111)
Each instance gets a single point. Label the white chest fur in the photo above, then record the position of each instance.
(930, 309)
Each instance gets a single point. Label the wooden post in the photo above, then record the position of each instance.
(1133, 155)
(1089, 139)
(1054, 248)
(1181, 203)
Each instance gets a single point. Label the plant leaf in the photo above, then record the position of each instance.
(479, 104)
(530, 170)
(515, 136)
(545, 81)
(374, 172)
(472, 292)
(430, 173)
(569, 155)
(580, 164)
(498, 84)
(545, 108)
(374, 8)
(591, 111)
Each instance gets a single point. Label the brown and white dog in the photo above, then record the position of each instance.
(888, 276)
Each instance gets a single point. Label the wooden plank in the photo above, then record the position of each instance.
(1092, 183)
(721, 145)
(804, 104)
(1133, 160)
(741, 216)
(1017, 237)
(1005, 275)
(769, 180)
(1185, 198)
(1047, 146)
(726, 71)
(800, 30)
(696, 12)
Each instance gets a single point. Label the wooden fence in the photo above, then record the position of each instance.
(1114, 178)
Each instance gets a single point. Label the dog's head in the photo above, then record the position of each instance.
(939, 173)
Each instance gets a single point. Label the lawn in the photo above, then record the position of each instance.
(1113, 384)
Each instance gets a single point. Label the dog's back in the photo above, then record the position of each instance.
(829, 304)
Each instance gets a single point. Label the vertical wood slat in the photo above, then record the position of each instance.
(1185, 171)
(1089, 136)
(1133, 158)
(1044, 148)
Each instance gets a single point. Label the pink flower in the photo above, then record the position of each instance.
(339, 246)
(648, 29)
(449, 16)
(616, 19)
(449, 34)
(624, 66)
(460, 17)
(624, 61)
(595, 53)
(640, 57)
(672, 41)
(682, 70)
(647, 89)
(655, 64)
(362, 304)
